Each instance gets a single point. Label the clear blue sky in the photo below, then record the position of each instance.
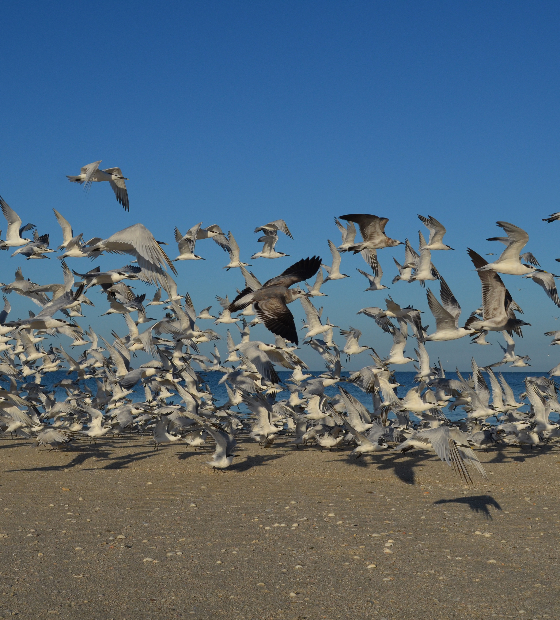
(239, 113)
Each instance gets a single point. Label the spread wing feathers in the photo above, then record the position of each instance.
(88, 172)
(444, 320)
(370, 256)
(448, 450)
(546, 281)
(357, 413)
(469, 457)
(302, 270)
(275, 226)
(517, 240)
(67, 234)
(480, 385)
(244, 299)
(14, 221)
(250, 279)
(449, 301)
(456, 460)
(371, 226)
(138, 241)
(495, 297)
(276, 316)
(117, 182)
(437, 229)
(497, 394)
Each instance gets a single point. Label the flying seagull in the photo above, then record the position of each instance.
(270, 301)
(91, 173)
(372, 229)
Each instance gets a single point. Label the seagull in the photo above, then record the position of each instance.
(497, 303)
(67, 234)
(396, 355)
(372, 229)
(352, 346)
(225, 446)
(313, 323)
(272, 228)
(186, 243)
(348, 235)
(15, 229)
(424, 268)
(552, 218)
(437, 230)
(446, 315)
(91, 173)
(509, 260)
(334, 270)
(271, 299)
(36, 248)
(233, 249)
(451, 445)
(546, 280)
(411, 258)
(315, 290)
(370, 256)
(139, 242)
(269, 241)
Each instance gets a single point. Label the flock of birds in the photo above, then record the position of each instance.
(180, 406)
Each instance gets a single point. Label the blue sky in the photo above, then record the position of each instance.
(242, 113)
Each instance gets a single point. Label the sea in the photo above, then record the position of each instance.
(516, 380)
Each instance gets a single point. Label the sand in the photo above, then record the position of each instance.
(116, 530)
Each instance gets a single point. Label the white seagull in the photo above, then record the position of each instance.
(15, 229)
(91, 173)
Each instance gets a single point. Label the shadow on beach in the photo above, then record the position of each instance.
(403, 466)
(480, 504)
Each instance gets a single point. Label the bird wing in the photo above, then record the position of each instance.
(444, 320)
(371, 226)
(281, 225)
(276, 316)
(336, 259)
(546, 280)
(311, 313)
(518, 239)
(88, 172)
(437, 230)
(119, 187)
(14, 221)
(67, 233)
(302, 270)
(494, 292)
(139, 241)
(448, 300)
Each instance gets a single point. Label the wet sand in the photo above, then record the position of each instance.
(116, 530)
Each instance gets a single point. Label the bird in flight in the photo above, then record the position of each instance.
(270, 301)
(91, 173)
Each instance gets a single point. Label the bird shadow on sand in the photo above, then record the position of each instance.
(480, 504)
(122, 462)
(257, 460)
(403, 466)
(186, 454)
(519, 454)
(80, 458)
(6, 444)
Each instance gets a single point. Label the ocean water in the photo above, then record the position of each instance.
(212, 379)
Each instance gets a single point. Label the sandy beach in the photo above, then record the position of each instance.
(118, 530)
